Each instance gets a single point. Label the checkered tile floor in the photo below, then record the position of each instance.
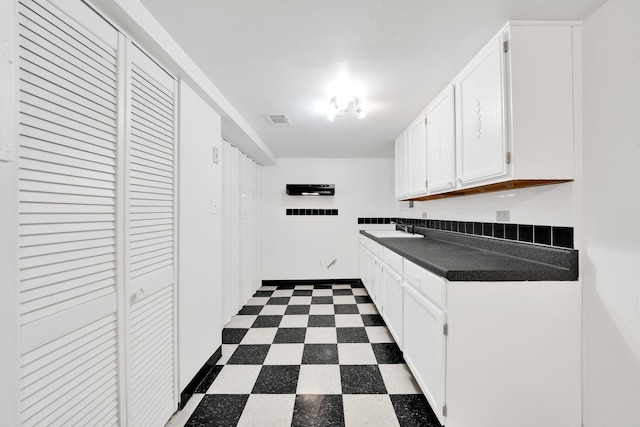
(309, 355)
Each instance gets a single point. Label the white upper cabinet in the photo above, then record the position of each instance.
(417, 157)
(514, 107)
(511, 121)
(441, 154)
(401, 166)
(482, 138)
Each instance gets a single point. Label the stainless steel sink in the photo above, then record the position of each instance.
(393, 233)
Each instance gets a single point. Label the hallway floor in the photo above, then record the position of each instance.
(308, 355)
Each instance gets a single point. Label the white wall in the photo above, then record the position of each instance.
(293, 246)
(611, 254)
(199, 236)
(546, 205)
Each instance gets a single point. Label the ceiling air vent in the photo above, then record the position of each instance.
(279, 120)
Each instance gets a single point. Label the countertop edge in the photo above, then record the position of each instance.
(554, 273)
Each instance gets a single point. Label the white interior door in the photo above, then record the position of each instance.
(150, 240)
(67, 218)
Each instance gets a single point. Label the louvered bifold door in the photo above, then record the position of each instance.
(67, 218)
(150, 237)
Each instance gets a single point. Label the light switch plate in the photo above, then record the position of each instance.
(216, 155)
(424, 215)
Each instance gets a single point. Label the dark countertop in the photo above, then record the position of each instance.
(460, 257)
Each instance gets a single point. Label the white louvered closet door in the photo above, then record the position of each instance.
(150, 274)
(67, 219)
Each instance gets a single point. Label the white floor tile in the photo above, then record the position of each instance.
(322, 293)
(360, 291)
(257, 301)
(398, 379)
(369, 410)
(297, 300)
(267, 288)
(321, 309)
(227, 351)
(379, 334)
(264, 410)
(273, 309)
(180, 418)
(282, 293)
(319, 379)
(304, 287)
(259, 336)
(344, 299)
(321, 336)
(284, 354)
(294, 321)
(349, 321)
(235, 379)
(356, 354)
(341, 286)
(240, 321)
(367, 309)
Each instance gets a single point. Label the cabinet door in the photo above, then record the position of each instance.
(482, 137)
(392, 311)
(401, 166)
(424, 346)
(441, 153)
(417, 157)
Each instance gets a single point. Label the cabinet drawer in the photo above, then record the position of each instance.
(426, 283)
(392, 260)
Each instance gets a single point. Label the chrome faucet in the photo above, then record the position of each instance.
(406, 228)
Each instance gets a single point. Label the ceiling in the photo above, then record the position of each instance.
(280, 56)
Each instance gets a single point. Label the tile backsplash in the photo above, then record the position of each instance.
(312, 212)
(526, 233)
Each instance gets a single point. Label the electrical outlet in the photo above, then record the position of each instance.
(502, 216)
(216, 155)
(424, 215)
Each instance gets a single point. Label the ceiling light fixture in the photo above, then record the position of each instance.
(340, 105)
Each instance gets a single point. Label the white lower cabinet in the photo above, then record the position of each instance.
(393, 302)
(485, 354)
(424, 347)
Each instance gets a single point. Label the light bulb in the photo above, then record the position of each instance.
(331, 114)
(342, 102)
(361, 113)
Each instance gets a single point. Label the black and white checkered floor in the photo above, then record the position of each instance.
(309, 355)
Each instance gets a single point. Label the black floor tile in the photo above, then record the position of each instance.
(290, 335)
(321, 300)
(346, 309)
(208, 379)
(251, 310)
(303, 293)
(372, 320)
(318, 410)
(269, 321)
(320, 354)
(277, 379)
(342, 292)
(297, 309)
(361, 379)
(278, 301)
(250, 354)
(414, 410)
(286, 286)
(352, 335)
(321, 321)
(363, 299)
(323, 286)
(357, 286)
(263, 293)
(387, 353)
(233, 335)
(220, 410)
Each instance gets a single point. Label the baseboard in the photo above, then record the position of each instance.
(310, 282)
(197, 379)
